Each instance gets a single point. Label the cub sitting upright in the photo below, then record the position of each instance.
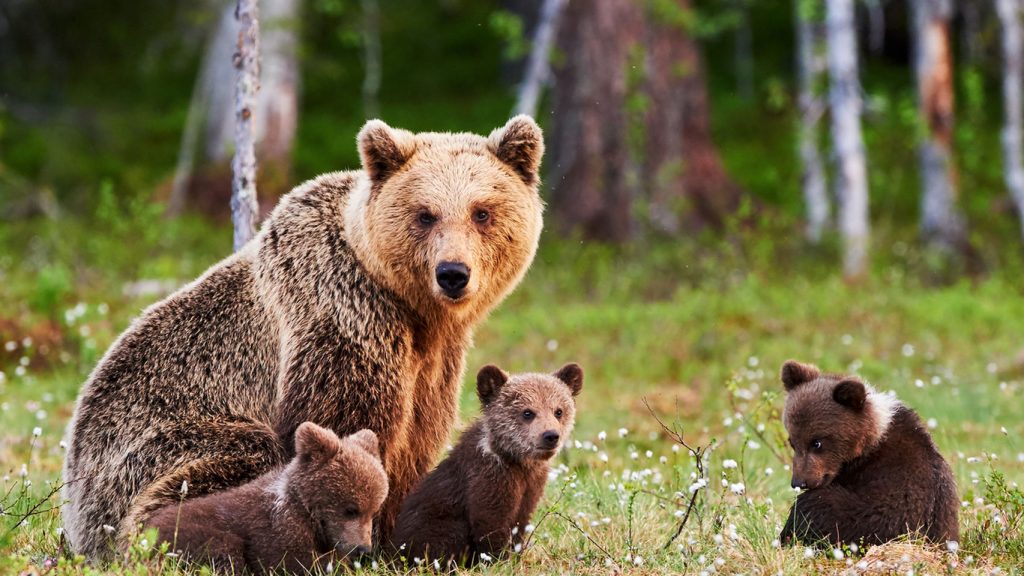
(480, 498)
(317, 508)
(869, 468)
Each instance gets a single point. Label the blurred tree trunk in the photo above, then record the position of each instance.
(970, 11)
(244, 208)
(538, 69)
(592, 174)
(1013, 76)
(743, 41)
(845, 100)
(632, 124)
(371, 59)
(206, 187)
(941, 223)
(876, 25)
(808, 64)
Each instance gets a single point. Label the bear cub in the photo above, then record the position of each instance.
(316, 509)
(479, 500)
(869, 469)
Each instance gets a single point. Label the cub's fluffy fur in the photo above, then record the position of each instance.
(869, 467)
(480, 498)
(319, 508)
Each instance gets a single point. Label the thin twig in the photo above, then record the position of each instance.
(32, 511)
(698, 458)
(550, 510)
(588, 537)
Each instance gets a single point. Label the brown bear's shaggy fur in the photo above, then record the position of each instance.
(352, 308)
(869, 467)
(317, 509)
(481, 497)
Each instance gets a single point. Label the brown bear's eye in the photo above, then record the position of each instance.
(558, 413)
(351, 512)
(426, 218)
(481, 216)
(528, 415)
(815, 444)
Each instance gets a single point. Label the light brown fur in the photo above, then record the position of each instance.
(333, 314)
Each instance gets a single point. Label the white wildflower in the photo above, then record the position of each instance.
(808, 552)
(485, 557)
(838, 554)
(753, 445)
(952, 545)
(908, 351)
(933, 423)
(737, 488)
(730, 463)
(602, 435)
(528, 529)
(108, 529)
(184, 488)
(698, 484)
(623, 432)
(552, 345)
(37, 432)
(768, 471)
(603, 457)
(638, 560)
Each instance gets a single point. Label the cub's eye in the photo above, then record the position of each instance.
(351, 512)
(426, 218)
(528, 415)
(481, 216)
(558, 413)
(815, 444)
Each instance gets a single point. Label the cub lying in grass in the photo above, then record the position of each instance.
(868, 466)
(479, 500)
(318, 508)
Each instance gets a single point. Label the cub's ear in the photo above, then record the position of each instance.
(314, 443)
(796, 373)
(367, 440)
(383, 149)
(520, 144)
(572, 375)
(489, 381)
(851, 393)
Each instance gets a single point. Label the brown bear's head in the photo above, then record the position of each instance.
(528, 416)
(831, 419)
(340, 483)
(450, 222)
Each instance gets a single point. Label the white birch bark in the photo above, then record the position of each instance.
(371, 59)
(277, 108)
(845, 100)
(244, 208)
(1013, 75)
(876, 25)
(812, 170)
(538, 71)
(941, 222)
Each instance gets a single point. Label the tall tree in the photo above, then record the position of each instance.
(632, 124)
(592, 174)
(371, 59)
(846, 105)
(1013, 76)
(809, 68)
(538, 69)
(244, 208)
(941, 222)
(211, 115)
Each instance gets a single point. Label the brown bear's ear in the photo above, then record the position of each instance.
(367, 440)
(384, 149)
(314, 443)
(572, 375)
(520, 144)
(851, 393)
(796, 373)
(489, 381)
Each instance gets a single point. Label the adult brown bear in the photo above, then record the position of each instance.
(352, 308)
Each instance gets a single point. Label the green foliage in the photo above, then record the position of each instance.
(509, 27)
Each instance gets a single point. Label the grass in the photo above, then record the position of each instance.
(693, 331)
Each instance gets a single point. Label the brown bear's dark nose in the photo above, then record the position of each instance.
(801, 484)
(361, 551)
(452, 277)
(550, 438)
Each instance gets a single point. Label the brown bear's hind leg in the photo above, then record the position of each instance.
(213, 455)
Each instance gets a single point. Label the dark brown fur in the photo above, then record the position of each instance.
(331, 314)
(480, 498)
(869, 466)
(318, 509)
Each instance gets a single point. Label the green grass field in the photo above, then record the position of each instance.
(695, 331)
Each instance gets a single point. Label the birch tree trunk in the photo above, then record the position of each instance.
(538, 70)
(876, 25)
(1013, 76)
(941, 222)
(244, 208)
(371, 59)
(812, 170)
(845, 100)
(277, 107)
